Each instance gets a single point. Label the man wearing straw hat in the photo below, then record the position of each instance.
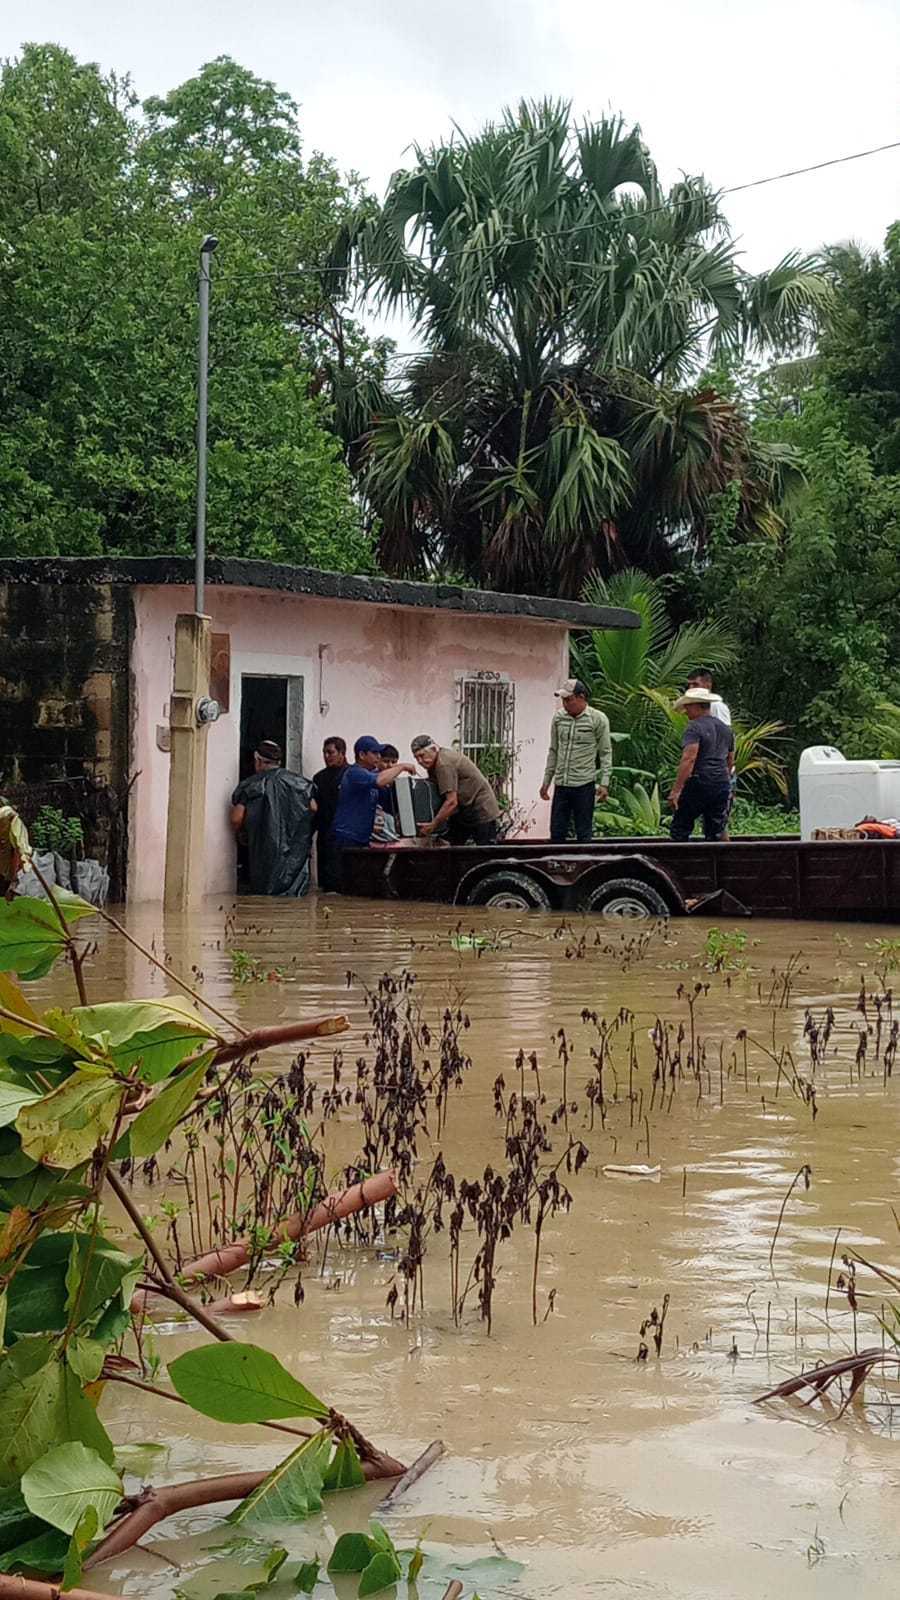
(702, 786)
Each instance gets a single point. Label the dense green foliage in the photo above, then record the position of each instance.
(814, 612)
(102, 210)
(566, 302)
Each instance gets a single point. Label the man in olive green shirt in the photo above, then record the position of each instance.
(468, 803)
(579, 763)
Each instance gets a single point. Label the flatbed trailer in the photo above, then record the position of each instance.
(648, 877)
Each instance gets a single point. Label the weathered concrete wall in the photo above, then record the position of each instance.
(64, 695)
(65, 712)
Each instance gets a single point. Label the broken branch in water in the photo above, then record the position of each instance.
(260, 1039)
(415, 1472)
(230, 1257)
(151, 1506)
(155, 1505)
(818, 1379)
(13, 1587)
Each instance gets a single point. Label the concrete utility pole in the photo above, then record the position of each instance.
(190, 710)
(206, 249)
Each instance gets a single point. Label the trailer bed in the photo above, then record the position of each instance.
(767, 877)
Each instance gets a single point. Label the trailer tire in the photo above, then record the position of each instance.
(625, 899)
(510, 891)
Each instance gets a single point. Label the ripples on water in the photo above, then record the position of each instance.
(607, 1477)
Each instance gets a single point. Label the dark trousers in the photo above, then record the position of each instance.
(700, 798)
(573, 802)
(327, 865)
(460, 829)
(330, 875)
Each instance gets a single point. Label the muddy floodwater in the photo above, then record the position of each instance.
(605, 1475)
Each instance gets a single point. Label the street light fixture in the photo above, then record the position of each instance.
(209, 245)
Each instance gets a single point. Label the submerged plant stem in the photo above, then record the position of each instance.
(167, 1286)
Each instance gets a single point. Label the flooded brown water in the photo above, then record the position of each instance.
(606, 1476)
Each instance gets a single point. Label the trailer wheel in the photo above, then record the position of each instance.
(509, 891)
(625, 899)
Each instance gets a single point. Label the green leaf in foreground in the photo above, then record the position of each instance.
(352, 1553)
(241, 1383)
(30, 934)
(84, 1535)
(294, 1490)
(383, 1571)
(13, 1098)
(152, 1126)
(65, 1127)
(62, 1485)
(46, 1552)
(307, 1577)
(158, 1034)
(345, 1468)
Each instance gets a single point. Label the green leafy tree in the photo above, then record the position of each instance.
(106, 209)
(859, 361)
(814, 607)
(567, 303)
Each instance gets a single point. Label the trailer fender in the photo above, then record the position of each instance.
(512, 885)
(630, 886)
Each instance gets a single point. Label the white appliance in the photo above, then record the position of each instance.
(416, 799)
(835, 793)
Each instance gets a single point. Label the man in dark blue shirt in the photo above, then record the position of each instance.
(358, 794)
(702, 786)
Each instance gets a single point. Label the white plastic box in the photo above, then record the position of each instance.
(835, 793)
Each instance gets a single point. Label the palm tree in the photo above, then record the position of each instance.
(565, 303)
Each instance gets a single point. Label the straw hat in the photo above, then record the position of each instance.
(696, 697)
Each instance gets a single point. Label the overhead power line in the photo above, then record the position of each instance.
(582, 227)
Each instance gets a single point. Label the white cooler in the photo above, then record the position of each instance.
(835, 793)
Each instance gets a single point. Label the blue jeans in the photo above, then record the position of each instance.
(572, 802)
(702, 798)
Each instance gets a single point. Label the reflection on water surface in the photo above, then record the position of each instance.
(606, 1475)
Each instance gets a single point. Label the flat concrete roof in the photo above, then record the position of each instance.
(142, 570)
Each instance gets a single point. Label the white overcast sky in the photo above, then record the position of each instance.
(734, 90)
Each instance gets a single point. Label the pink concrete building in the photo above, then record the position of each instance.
(299, 655)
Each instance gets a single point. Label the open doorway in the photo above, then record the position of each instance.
(263, 716)
(271, 708)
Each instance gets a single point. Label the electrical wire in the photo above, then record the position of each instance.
(582, 227)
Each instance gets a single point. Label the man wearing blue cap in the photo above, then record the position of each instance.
(358, 795)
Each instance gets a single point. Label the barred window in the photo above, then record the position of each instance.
(486, 723)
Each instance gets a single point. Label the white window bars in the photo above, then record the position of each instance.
(486, 711)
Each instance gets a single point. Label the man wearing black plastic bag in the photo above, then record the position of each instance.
(273, 811)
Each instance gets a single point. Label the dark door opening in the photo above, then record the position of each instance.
(264, 703)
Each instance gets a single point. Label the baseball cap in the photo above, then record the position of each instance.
(571, 686)
(423, 741)
(367, 746)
